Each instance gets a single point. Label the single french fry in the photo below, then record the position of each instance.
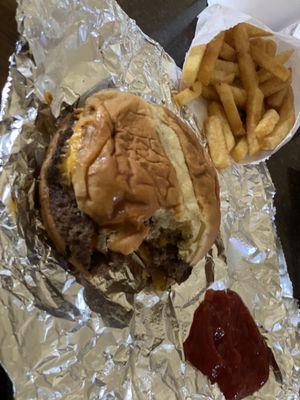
(227, 66)
(241, 40)
(192, 64)
(209, 60)
(263, 75)
(185, 96)
(259, 42)
(285, 124)
(255, 31)
(287, 109)
(271, 47)
(228, 38)
(247, 70)
(267, 124)
(226, 96)
(210, 93)
(273, 85)
(254, 107)
(227, 52)
(216, 142)
(275, 138)
(215, 108)
(240, 151)
(222, 76)
(276, 99)
(254, 111)
(269, 63)
(240, 96)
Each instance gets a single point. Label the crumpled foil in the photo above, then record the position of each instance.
(115, 339)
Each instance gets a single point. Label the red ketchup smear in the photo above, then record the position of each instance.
(224, 343)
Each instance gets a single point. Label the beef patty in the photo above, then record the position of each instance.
(80, 232)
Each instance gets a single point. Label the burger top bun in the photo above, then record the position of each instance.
(136, 168)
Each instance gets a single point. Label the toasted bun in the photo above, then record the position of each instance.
(129, 162)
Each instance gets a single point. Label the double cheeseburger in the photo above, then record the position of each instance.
(125, 177)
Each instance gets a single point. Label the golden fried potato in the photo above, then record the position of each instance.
(247, 71)
(269, 63)
(192, 64)
(254, 112)
(285, 124)
(216, 109)
(233, 116)
(187, 95)
(216, 142)
(210, 58)
(263, 75)
(240, 151)
(267, 124)
(227, 52)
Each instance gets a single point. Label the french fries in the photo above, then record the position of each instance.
(269, 63)
(233, 116)
(272, 86)
(241, 39)
(254, 112)
(192, 64)
(287, 109)
(247, 70)
(187, 95)
(285, 124)
(228, 38)
(216, 109)
(216, 142)
(222, 76)
(267, 124)
(255, 31)
(263, 75)
(240, 96)
(279, 133)
(252, 31)
(240, 151)
(227, 52)
(276, 99)
(210, 58)
(227, 66)
(247, 87)
(260, 42)
(271, 47)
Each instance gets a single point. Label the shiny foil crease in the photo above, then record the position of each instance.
(60, 340)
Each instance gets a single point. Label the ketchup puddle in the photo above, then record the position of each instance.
(225, 344)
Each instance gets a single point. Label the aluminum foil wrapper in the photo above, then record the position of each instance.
(116, 339)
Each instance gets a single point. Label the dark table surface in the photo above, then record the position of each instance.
(172, 24)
